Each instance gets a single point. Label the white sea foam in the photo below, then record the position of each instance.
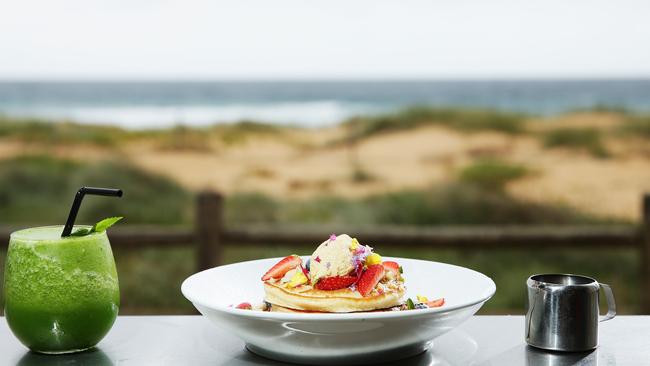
(306, 114)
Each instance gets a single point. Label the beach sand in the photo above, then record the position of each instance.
(299, 163)
(417, 158)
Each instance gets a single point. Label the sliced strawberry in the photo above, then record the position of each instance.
(370, 278)
(391, 266)
(335, 283)
(436, 303)
(359, 271)
(282, 267)
(245, 306)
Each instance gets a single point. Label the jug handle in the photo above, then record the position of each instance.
(611, 304)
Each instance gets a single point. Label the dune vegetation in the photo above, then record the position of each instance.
(419, 166)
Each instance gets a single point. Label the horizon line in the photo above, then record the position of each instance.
(325, 80)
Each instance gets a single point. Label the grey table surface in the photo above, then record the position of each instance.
(193, 340)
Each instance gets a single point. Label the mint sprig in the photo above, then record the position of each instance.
(80, 232)
(105, 224)
(98, 227)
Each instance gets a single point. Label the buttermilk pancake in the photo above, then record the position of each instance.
(341, 276)
(344, 300)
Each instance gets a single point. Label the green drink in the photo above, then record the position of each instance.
(61, 293)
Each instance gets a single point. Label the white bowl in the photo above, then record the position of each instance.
(349, 338)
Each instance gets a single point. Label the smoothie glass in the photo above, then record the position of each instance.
(61, 293)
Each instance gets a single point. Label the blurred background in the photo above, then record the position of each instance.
(368, 114)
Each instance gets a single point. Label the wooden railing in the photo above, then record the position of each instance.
(210, 235)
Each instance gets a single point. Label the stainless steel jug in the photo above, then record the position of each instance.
(563, 312)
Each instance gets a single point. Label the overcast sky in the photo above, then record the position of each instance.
(281, 39)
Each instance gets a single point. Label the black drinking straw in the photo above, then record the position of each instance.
(112, 192)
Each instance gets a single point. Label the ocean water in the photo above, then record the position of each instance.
(140, 105)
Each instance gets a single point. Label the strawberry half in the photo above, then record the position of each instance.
(436, 303)
(370, 278)
(391, 266)
(335, 283)
(282, 267)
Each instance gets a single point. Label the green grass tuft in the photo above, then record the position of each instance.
(237, 133)
(586, 139)
(32, 130)
(466, 204)
(251, 207)
(638, 126)
(603, 108)
(467, 120)
(492, 174)
(360, 175)
(179, 138)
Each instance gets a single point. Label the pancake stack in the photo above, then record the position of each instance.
(341, 276)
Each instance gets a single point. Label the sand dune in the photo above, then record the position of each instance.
(414, 159)
(308, 162)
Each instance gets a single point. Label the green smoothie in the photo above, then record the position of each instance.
(61, 294)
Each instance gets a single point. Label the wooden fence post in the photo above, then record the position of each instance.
(645, 255)
(209, 224)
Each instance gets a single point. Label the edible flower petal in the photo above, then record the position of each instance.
(373, 258)
(360, 254)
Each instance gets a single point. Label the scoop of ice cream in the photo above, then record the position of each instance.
(334, 257)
